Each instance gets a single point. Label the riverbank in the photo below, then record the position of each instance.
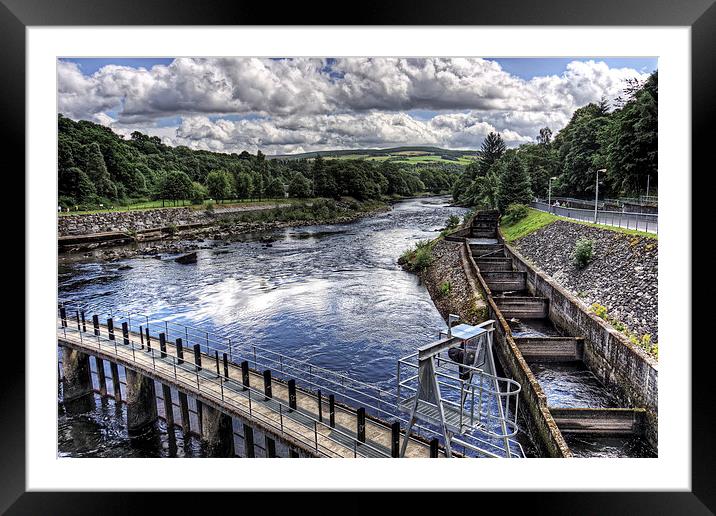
(157, 232)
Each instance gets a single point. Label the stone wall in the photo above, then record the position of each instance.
(622, 275)
(621, 366)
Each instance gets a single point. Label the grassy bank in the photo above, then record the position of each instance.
(169, 205)
(537, 219)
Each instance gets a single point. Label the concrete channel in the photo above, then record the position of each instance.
(541, 326)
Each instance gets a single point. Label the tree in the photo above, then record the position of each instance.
(219, 184)
(493, 147)
(275, 189)
(299, 186)
(545, 136)
(198, 192)
(97, 172)
(244, 185)
(176, 185)
(513, 186)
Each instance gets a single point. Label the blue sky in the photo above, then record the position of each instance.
(281, 106)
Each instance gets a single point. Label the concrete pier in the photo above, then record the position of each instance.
(218, 432)
(141, 401)
(76, 372)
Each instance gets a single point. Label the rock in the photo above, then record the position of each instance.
(124, 267)
(186, 258)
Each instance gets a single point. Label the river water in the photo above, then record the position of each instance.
(333, 295)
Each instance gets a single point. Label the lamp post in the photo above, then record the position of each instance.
(596, 193)
(549, 193)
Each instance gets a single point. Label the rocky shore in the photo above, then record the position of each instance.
(622, 275)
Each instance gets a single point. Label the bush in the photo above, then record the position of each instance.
(445, 288)
(514, 214)
(582, 253)
(209, 206)
(418, 258)
(452, 222)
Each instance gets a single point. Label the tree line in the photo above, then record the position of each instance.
(98, 166)
(621, 138)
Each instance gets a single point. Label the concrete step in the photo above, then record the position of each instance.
(502, 281)
(551, 349)
(487, 249)
(484, 233)
(489, 264)
(523, 307)
(599, 421)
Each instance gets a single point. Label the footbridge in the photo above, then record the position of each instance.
(309, 410)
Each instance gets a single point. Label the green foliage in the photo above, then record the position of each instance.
(534, 221)
(299, 186)
(220, 185)
(175, 185)
(514, 214)
(445, 288)
(643, 342)
(198, 193)
(582, 253)
(419, 257)
(513, 186)
(452, 222)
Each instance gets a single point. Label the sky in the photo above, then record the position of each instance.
(283, 106)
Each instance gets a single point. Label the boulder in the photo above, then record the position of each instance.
(186, 258)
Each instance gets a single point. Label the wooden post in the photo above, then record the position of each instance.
(360, 416)
(216, 355)
(101, 377)
(226, 366)
(168, 406)
(292, 394)
(79, 326)
(332, 410)
(434, 448)
(149, 339)
(63, 316)
(125, 333)
(110, 328)
(245, 374)
(197, 356)
(84, 323)
(270, 447)
(115, 381)
(180, 351)
(267, 383)
(95, 324)
(249, 441)
(185, 420)
(141, 336)
(162, 345)
(395, 439)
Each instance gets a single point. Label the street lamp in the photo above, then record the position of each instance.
(596, 193)
(549, 194)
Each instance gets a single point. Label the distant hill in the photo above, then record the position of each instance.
(407, 154)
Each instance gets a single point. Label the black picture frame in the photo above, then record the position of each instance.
(700, 15)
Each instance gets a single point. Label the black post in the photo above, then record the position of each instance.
(226, 366)
(63, 316)
(125, 333)
(320, 406)
(163, 345)
(180, 351)
(267, 383)
(95, 324)
(141, 336)
(395, 439)
(245, 374)
(434, 448)
(249, 441)
(360, 414)
(332, 410)
(216, 354)
(84, 323)
(292, 394)
(110, 328)
(270, 448)
(79, 327)
(197, 356)
(149, 339)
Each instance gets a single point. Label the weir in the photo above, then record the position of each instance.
(529, 331)
(309, 410)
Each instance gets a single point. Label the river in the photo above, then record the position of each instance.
(330, 294)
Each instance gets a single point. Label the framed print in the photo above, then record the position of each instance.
(433, 233)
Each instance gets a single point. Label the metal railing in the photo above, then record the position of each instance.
(647, 222)
(144, 331)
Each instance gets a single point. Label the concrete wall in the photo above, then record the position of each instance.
(537, 418)
(622, 367)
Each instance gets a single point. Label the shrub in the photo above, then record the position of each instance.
(172, 229)
(514, 214)
(418, 258)
(582, 253)
(445, 288)
(209, 206)
(452, 222)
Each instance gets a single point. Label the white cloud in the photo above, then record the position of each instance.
(317, 104)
